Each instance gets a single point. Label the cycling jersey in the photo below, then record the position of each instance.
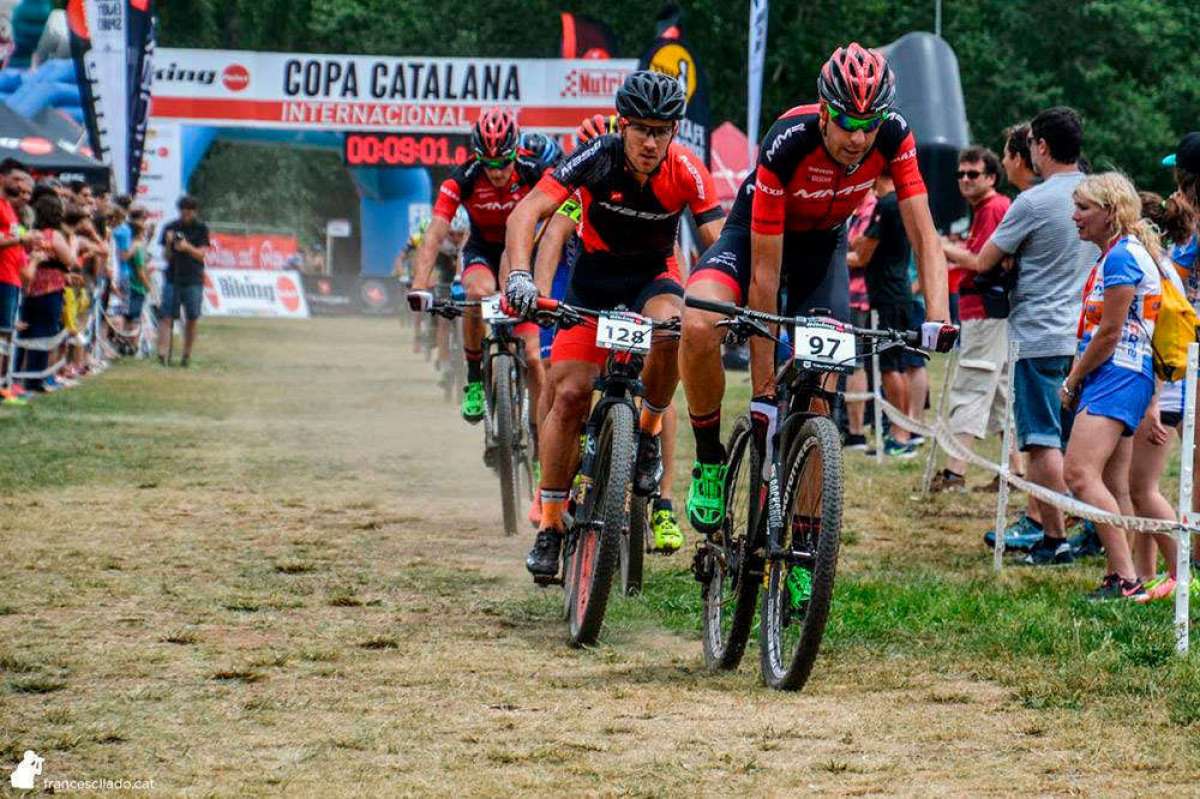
(623, 217)
(799, 187)
(799, 191)
(487, 206)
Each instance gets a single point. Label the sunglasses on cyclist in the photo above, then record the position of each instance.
(854, 124)
(970, 174)
(496, 163)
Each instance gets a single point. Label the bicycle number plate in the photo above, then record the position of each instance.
(491, 311)
(624, 331)
(828, 348)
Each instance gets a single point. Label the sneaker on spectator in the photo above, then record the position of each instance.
(948, 481)
(10, 398)
(1113, 587)
(856, 442)
(1049, 552)
(1161, 587)
(895, 449)
(1082, 535)
(917, 440)
(1021, 536)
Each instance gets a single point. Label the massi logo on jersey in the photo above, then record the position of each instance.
(782, 137)
(759, 186)
(573, 163)
(695, 173)
(904, 156)
(821, 194)
(633, 213)
(496, 205)
(449, 192)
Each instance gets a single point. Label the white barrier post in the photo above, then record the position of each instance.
(943, 401)
(1183, 566)
(1005, 460)
(877, 390)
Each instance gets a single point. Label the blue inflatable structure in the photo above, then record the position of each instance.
(386, 193)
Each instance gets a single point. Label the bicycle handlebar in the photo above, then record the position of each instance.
(736, 312)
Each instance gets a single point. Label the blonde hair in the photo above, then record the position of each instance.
(1115, 193)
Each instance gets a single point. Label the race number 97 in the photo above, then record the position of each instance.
(824, 344)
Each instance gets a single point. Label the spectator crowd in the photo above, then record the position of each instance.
(75, 276)
(1075, 269)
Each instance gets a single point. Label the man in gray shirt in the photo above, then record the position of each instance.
(1039, 233)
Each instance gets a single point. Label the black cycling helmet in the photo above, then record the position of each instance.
(651, 95)
(857, 80)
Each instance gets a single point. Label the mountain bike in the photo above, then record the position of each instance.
(601, 501)
(508, 443)
(782, 529)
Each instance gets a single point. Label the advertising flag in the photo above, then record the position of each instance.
(670, 55)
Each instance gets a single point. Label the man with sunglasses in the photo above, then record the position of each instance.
(633, 187)
(489, 186)
(786, 228)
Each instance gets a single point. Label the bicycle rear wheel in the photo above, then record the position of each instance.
(597, 541)
(733, 567)
(504, 423)
(803, 562)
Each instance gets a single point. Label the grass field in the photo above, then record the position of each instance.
(281, 573)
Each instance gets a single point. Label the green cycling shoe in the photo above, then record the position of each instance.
(473, 402)
(706, 496)
(668, 538)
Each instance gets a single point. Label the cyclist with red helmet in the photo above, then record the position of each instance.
(633, 186)
(786, 228)
(488, 186)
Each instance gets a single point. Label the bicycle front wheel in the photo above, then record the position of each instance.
(598, 535)
(504, 422)
(731, 562)
(802, 556)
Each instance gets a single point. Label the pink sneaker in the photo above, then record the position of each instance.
(1162, 589)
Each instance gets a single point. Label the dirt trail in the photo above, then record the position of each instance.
(319, 602)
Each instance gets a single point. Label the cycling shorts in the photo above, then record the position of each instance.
(480, 254)
(813, 274)
(629, 290)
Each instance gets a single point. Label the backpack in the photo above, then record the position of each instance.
(1174, 331)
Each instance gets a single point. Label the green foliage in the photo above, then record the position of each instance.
(1129, 66)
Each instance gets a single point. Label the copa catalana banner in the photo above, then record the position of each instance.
(354, 92)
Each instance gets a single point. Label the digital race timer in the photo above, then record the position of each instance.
(405, 149)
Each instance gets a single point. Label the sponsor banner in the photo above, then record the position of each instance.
(250, 251)
(757, 55)
(161, 181)
(254, 292)
(140, 36)
(331, 295)
(670, 55)
(108, 66)
(81, 55)
(365, 93)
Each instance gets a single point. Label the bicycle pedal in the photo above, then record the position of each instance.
(545, 580)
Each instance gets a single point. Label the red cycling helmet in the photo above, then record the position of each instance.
(857, 80)
(495, 134)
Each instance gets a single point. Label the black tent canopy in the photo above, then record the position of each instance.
(23, 140)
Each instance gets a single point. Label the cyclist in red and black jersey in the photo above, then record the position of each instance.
(787, 228)
(488, 186)
(633, 186)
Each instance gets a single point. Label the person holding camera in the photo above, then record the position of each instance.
(185, 246)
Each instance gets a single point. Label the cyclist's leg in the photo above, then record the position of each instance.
(574, 367)
(479, 281)
(722, 275)
(661, 300)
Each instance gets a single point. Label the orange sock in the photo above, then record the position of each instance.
(552, 508)
(651, 419)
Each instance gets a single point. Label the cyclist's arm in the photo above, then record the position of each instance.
(427, 253)
(522, 224)
(558, 232)
(931, 261)
(766, 258)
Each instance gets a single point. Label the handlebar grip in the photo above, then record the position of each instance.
(912, 338)
(726, 308)
(547, 304)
